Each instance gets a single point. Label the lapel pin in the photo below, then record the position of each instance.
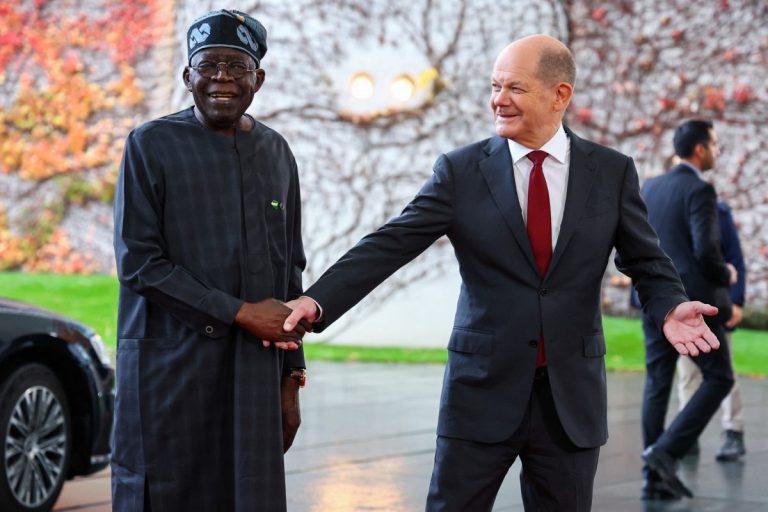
(276, 205)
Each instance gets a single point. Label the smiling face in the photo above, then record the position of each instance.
(222, 100)
(526, 108)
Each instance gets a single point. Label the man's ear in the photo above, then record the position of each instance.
(260, 76)
(563, 95)
(185, 77)
(700, 150)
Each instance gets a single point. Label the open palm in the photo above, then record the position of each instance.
(686, 330)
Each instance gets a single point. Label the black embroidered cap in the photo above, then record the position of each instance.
(228, 29)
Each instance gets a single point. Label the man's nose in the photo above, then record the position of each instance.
(501, 98)
(222, 72)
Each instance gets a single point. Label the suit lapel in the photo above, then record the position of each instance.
(580, 177)
(499, 174)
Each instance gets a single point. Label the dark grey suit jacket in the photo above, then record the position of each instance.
(682, 208)
(504, 304)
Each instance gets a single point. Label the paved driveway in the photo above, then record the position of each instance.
(367, 444)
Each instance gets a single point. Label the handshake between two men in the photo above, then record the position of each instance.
(273, 321)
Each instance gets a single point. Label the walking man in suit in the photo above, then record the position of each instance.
(682, 208)
(526, 373)
(689, 375)
(207, 229)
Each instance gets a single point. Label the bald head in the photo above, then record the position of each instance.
(555, 61)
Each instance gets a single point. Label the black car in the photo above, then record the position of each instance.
(56, 403)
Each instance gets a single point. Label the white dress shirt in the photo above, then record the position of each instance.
(556, 167)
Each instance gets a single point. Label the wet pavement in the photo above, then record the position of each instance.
(367, 444)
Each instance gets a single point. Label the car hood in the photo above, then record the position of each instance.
(15, 307)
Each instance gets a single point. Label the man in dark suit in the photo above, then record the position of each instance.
(207, 229)
(682, 208)
(526, 373)
(689, 375)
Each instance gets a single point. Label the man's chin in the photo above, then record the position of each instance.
(505, 131)
(223, 119)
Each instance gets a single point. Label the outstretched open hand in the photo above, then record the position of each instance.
(686, 330)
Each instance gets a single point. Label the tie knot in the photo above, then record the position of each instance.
(537, 157)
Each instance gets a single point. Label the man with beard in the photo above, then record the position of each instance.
(682, 208)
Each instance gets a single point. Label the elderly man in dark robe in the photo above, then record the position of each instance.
(207, 229)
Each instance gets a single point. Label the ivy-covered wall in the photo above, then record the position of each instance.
(75, 77)
(70, 93)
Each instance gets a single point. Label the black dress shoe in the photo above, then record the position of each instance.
(662, 463)
(733, 448)
(655, 489)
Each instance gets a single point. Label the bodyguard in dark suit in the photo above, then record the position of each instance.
(682, 208)
(526, 372)
(689, 375)
(207, 228)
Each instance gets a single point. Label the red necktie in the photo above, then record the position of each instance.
(539, 226)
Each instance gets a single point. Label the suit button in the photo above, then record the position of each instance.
(543, 292)
(208, 329)
(533, 343)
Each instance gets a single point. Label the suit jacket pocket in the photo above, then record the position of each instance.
(469, 355)
(471, 341)
(275, 217)
(594, 345)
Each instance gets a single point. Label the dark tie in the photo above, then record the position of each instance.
(539, 226)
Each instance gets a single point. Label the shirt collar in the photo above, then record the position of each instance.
(557, 147)
(695, 169)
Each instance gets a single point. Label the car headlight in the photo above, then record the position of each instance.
(101, 350)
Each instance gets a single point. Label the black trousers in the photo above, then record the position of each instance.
(556, 474)
(660, 362)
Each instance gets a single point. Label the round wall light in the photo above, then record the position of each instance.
(361, 86)
(402, 88)
(375, 80)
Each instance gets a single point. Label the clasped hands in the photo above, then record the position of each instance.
(283, 324)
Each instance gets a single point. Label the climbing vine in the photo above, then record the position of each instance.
(68, 79)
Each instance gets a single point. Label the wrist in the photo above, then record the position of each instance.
(242, 315)
(299, 375)
(318, 311)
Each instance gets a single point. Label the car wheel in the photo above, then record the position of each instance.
(36, 439)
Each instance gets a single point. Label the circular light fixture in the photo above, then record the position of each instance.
(402, 88)
(376, 80)
(361, 86)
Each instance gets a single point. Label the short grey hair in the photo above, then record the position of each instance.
(556, 65)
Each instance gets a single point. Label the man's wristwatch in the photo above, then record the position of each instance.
(299, 375)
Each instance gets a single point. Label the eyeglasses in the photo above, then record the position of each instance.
(236, 70)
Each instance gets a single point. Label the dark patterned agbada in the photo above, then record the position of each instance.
(203, 222)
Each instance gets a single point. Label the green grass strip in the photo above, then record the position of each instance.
(329, 352)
